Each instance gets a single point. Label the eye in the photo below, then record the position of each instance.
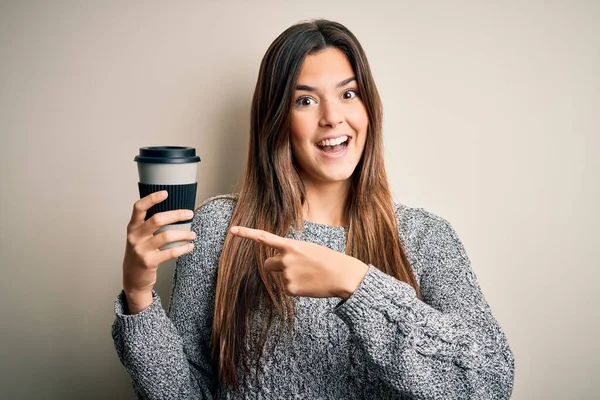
(350, 94)
(305, 101)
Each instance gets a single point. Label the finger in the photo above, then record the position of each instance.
(262, 237)
(170, 236)
(172, 253)
(142, 205)
(274, 264)
(161, 219)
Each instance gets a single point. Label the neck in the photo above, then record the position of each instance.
(325, 202)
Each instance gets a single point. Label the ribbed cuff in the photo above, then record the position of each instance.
(376, 291)
(146, 320)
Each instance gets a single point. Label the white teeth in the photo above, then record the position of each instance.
(333, 142)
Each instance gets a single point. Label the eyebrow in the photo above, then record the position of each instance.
(314, 89)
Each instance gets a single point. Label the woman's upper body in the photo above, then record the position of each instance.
(310, 283)
(382, 342)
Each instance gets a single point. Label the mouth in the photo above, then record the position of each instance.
(334, 147)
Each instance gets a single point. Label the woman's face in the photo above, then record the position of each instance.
(328, 120)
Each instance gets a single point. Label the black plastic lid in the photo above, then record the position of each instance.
(167, 155)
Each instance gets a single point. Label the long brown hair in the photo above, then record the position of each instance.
(272, 195)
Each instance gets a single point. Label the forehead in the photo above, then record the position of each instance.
(327, 66)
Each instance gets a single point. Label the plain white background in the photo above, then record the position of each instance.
(491, 121)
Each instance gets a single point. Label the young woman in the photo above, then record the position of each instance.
(311, 283)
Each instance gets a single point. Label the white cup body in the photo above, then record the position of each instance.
(167, 174)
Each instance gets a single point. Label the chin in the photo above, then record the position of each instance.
(337, 176)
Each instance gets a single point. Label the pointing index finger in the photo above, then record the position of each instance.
(262, 237)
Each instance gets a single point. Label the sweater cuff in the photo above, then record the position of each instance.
(144, 321)
(375, 292)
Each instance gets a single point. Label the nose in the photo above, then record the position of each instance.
(331, 114)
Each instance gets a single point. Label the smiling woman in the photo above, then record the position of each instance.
(311, 282)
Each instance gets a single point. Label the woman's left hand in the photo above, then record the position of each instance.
(307, 269)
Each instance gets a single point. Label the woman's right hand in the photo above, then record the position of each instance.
(142, 254)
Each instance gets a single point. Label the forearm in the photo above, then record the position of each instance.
(151, 350)
(420, 350)
(136, 302)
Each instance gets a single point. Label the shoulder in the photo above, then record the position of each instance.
(416, 221)
(421, 230)
(212, 216)
(217, 206)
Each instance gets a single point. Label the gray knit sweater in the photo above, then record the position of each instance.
(381, 343)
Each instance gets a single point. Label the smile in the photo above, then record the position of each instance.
(334, 147)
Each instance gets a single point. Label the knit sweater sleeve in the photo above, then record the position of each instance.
(167, 355)
(448, 345)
